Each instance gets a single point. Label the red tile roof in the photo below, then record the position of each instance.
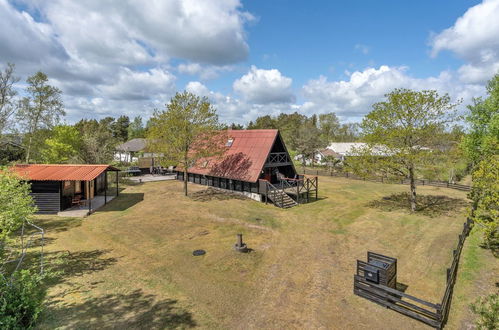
(244, 159)
(59, 172)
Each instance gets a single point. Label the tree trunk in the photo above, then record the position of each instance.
(185, 181)
(29, 149)
(413, 189)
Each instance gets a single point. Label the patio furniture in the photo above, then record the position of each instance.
(77, 201)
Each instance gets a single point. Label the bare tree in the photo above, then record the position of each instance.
(7, 95)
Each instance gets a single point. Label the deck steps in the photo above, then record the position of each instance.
(281, 199)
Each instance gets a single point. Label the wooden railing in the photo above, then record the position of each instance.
(278, 158)
(429, 313)
(421, 182)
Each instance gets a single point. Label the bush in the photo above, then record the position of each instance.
(487, 309)
(20, 300)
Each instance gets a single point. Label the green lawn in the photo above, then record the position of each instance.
(130, 265)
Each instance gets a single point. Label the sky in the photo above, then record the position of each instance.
(250, 58)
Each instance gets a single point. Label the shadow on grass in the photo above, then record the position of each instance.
(122, 202)
(135, 310)
(429, 205)
(61, 266)
(215, 194)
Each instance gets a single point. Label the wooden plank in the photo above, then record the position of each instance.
(402, 310)
(396, 292)
(395, 299)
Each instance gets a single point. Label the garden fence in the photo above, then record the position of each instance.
(432, 314)
(422, 182)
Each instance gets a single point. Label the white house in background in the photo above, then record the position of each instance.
(319, 157)
(349, 149)
(130, 150)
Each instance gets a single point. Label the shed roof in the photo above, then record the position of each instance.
(244, 159)
(133, 145)
(60, 172)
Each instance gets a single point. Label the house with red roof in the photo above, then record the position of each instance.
(58, 187)
(257, 164)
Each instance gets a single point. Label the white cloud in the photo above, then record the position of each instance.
(264, 86)
(138, 85)
(474, 38)
(112, 57)
(195, 87)
(352, 99)
(137, 32)
(205, 72)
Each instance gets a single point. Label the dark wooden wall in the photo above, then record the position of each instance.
(47, 196)
(212, 181)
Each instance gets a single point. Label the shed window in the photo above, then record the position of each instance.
(229, 142)
(77, 186)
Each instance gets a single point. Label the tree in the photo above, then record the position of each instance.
(16, 204)
(487, 311)
(482, 141)
(481, 145)
(120, 128)
(7, 95)
(42, 108)
(485, 196)
(329, 126)
(308, 141)
(63, 145)
(136, 129)
(21, 295)
(235, 126)
(185, 132)
(402, 133)
(348, 132)
(97, 145)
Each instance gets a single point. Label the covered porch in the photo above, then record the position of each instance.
(86, 207)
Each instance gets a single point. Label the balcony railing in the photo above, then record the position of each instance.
(278, 159)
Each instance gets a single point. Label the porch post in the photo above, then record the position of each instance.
(105, 187)
(316, 187)
(89, 198)
(117, 188)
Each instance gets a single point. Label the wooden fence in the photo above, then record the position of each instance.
(421, 182)
(429, 313)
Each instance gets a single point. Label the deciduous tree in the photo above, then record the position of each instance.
(41, 108)
(136, 128)
(403, 133)
(63, 146)
(185, 132)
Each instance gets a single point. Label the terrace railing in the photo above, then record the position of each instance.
(278, 159)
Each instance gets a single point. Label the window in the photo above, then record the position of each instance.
(77, 186)
(205, 164)
(229, 142)
(67, 184)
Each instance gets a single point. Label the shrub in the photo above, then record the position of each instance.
(487, 310)
(20, 300)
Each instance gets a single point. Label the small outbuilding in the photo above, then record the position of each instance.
(57, 187)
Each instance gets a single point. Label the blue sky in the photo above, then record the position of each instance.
(250, 58)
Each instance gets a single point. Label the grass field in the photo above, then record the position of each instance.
(130, 265)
